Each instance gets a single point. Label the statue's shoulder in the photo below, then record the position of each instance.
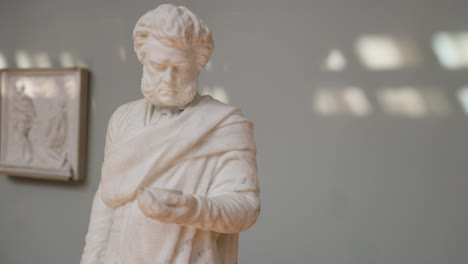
(130, 108)
(214, 105)
(127, 117)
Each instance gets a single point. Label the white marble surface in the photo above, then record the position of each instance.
(179, 176)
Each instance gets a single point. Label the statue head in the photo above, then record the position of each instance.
(173, 45)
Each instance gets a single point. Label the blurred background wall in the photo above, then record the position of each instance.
(359, 110)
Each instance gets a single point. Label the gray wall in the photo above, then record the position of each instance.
(335, 189)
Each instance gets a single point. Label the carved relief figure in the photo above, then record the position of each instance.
(23, 115)
(56, 135)
(178, 181)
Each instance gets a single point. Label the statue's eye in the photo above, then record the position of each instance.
(158, 67)
(183, 69)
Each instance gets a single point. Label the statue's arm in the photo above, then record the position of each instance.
(98, 231)
(231, 205)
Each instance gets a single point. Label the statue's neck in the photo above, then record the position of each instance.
(155, 112)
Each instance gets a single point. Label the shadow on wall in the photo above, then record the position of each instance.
(387, 53)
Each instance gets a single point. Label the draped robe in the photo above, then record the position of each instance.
(207, 151)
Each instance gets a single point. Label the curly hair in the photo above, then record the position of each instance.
(174, 26)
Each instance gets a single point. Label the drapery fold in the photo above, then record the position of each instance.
(206, 128)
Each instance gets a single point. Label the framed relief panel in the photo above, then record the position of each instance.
(43, 123)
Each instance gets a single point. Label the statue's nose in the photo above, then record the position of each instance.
(168, 75)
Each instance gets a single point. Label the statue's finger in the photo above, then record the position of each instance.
(152, 208)
(174, 199)
(163, 194)
(145, 198)
(161, 211)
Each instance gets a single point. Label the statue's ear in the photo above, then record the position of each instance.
(204, 53)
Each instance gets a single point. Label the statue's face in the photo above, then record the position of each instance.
(170, 75)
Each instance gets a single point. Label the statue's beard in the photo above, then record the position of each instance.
(151, 91)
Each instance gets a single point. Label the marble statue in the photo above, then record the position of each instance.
(178, 181)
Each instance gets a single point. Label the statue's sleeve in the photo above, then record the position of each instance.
(98, 231)
(101, 216)
(232, 204)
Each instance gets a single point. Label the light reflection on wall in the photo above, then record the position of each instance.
(217, 92)
(344, 101)
(413, 103)
(402, 102)
(23, 59)
(123, 54)
(93, 105)
(80, 63)
(462, 95)
(392, 52)
(42, 60)
(66, 59)
(335, 61)
(209, 66)
(451, 49)
(383, 52)
(3, 61)
(437, 102)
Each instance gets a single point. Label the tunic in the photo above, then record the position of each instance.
(206, 151)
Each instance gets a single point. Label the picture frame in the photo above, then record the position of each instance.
(43, 123)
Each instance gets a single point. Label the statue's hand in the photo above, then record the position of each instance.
(168, 206)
